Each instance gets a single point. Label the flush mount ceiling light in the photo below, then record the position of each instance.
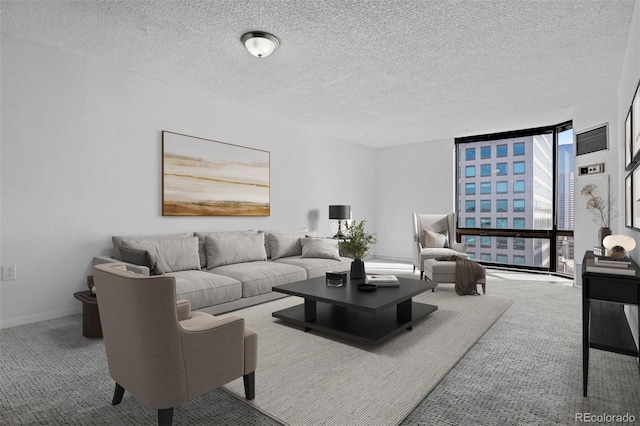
(260, 44)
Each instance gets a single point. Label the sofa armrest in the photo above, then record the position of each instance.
(138, 269)
(183, 307)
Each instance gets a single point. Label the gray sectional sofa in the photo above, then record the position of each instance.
(224, 271)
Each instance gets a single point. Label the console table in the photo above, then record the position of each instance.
(604, 324)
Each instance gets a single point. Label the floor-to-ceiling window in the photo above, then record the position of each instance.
(515, 198)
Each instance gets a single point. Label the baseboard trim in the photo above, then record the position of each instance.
(392, 258)
(8, 323)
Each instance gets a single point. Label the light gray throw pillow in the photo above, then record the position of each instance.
(285, 244)
(435, 239)
(229, 249)
(324, 248)
(118, 241)
(139, 257)
(201, 242)
(171, 255)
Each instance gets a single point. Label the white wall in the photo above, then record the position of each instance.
(81, 161)
(587, 116)
(411, 178)
(628, 82)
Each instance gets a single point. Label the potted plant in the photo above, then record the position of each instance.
(356, 245)
(600, 209)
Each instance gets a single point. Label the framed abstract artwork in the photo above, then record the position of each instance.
(635, 198)
(202, 177)
(635, 125)
(628, 201)
(628, 146)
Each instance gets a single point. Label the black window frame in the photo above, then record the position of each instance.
(551, 235)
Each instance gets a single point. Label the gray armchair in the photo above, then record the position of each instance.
(160, 351)
(439, 224)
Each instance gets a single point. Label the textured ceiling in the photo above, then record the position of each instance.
(377, 73)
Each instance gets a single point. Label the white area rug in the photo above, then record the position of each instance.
(310, 379)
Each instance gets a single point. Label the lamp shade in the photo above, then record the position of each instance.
(339, 212)
(624, 241)
(260, 44)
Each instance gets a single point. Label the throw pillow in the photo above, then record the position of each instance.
(300, 232)
(201, 242)
(324, 248)
(229, 249)
(119, 241)
(284, 244)
(139, 257)
(171, 255)
(435, 240)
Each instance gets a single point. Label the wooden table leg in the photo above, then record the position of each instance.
(91, 326)
(404, 312)
(309, 311)
(585, 343)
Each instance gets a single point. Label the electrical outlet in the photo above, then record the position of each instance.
(8, 272)
(591, 169)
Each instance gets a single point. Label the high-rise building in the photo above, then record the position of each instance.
(507, 184)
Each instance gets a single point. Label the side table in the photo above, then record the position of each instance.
(604, 325)
(91, 326)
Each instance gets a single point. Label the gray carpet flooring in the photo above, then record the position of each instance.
(527, 369)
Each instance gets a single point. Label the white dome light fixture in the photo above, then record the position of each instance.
(260, 44)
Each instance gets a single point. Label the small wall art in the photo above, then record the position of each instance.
(635, 197)
(635, 125)
(628, 201)
(202, 177)
(628, 146)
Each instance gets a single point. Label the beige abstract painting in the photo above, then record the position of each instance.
(202, 177)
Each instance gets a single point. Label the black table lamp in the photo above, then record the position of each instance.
(339, 213)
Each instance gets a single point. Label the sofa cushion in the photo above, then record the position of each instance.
(317, 267)
(230, 249)
(118, 241)
(283, 244)
(171, 255)
(140, 257)
(260, 277)
(203, 288)
(324, 248)
(432, 253)
(201, 242)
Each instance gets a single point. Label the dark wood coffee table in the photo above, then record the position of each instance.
(369, 318)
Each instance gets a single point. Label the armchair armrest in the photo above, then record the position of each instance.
(183, 307)
(138, 269)
(213, 350)
(461, 247)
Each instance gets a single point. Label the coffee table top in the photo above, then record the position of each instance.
(348, 295)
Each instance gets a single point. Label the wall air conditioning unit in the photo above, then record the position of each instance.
(592, 140)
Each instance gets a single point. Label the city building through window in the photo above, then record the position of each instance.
(525, 198)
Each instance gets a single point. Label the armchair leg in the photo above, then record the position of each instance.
(421, 274)
(165, 417)
(117, 395)
(414, 269)
(249, 385)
